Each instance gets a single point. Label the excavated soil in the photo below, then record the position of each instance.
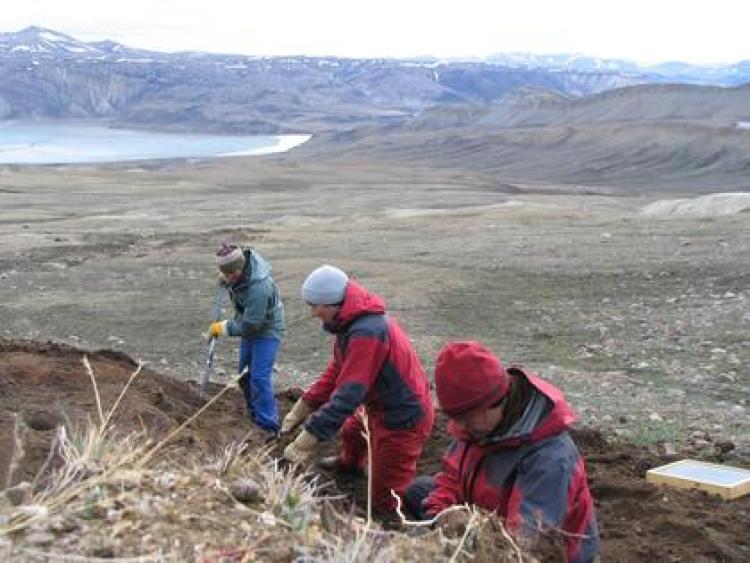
(44, 385)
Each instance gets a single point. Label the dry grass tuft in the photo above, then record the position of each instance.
(292, 495)
(17, 452)
(81, 458)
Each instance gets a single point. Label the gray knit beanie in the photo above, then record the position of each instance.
(325, 286)
(230, 258)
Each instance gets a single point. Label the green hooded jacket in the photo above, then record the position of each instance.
(259, 310)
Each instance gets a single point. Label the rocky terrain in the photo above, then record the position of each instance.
(641, 317)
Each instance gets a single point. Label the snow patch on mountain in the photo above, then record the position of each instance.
(713, 205)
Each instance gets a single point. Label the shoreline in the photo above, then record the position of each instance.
(85, 142)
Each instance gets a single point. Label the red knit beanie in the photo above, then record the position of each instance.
(469, 376)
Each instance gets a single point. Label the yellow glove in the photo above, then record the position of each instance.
(302, 449)
(217, 329)
(299, 413)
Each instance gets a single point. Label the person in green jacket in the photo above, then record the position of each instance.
(258, 322)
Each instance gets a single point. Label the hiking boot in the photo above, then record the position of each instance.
(329, 463)
(271, 435)
(243, 383)
(333, 463)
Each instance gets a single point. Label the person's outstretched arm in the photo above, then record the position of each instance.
(447, 491)
(359, 369)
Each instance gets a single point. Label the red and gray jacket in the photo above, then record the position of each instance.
(532, 475)
(373, 364)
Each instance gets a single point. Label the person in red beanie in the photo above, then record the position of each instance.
(512, 452)
(374, 369)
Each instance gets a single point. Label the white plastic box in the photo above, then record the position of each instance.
(724, 480)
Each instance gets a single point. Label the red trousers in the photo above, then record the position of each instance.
(394, 455)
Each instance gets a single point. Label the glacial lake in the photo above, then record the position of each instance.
(69, 143)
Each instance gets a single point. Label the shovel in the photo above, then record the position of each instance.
(215, 315)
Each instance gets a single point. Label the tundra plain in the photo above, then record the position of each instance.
(642, 320)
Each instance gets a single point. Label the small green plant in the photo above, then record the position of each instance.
(91, 504)
(289, 494)
(655, 431)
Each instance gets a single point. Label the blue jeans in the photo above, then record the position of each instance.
(258, 354)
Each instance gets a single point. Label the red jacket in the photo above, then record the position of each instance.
(373, 364)
(532, 475)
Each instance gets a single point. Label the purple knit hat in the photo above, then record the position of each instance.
(229, 258)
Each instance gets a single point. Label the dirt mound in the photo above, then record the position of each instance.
(46, 384)
(43, 385)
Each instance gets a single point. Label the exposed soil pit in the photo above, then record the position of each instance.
(45, 385)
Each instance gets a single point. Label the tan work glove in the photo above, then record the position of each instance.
(302, 449)
(299, 413)
(217, 329)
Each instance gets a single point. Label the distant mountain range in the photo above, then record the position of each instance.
(675, 71)
(46, 74)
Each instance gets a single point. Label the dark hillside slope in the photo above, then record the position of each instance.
(723, 106)
(673, 137)
(679, 157)
(648, 102)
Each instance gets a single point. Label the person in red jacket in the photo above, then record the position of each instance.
(512, 452)
(374, 367)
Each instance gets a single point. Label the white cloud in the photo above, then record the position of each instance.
(642, 30)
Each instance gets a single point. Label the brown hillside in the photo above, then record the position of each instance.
(46, 385)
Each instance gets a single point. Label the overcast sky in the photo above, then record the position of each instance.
(716, 31)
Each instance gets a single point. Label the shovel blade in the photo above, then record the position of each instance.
(206, 375)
